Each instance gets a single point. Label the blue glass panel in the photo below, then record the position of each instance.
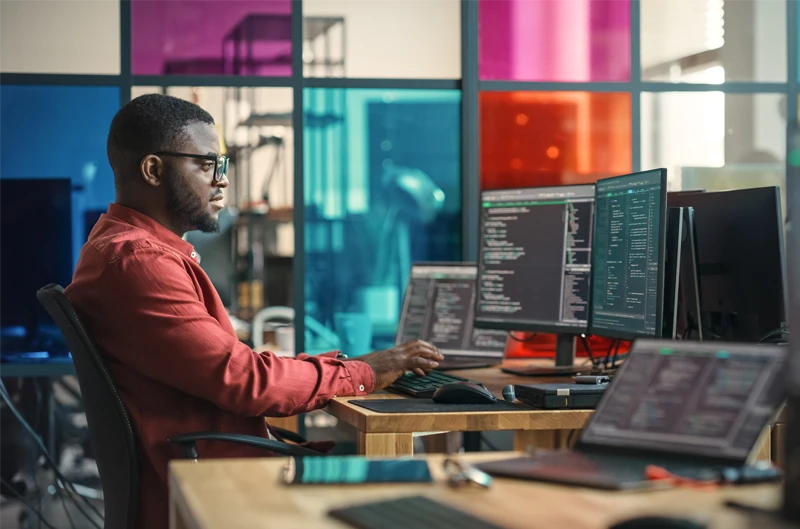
(382, 189)
(60, 132)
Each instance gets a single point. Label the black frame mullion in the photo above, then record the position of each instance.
(470, 126)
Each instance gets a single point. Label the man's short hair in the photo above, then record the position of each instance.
(148, 124)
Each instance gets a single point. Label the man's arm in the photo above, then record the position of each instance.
(164, 331)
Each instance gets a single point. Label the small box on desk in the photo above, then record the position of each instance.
(560, 396)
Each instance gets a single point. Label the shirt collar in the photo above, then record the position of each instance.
(149, 224)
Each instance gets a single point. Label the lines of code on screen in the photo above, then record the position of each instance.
(536, 257)
(625, 275)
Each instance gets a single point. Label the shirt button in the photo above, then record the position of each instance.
(361, 387)
(193, 255)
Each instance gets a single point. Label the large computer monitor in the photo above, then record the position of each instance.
(740, 253)
(35, 250)
(628, 252)
(438, 308)
(535, 259)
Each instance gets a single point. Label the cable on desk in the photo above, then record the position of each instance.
(4, 394)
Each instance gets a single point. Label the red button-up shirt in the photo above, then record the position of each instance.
(174, 356)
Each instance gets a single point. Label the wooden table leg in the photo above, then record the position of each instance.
(779, 445)
(442, 443)
(764, 446)
(385, 444)
(175, 517)
(529, 439)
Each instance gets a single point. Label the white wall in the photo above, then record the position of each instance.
(769, 113)
(59, 36)
(671, 29)
(396, 38)
(713, 129)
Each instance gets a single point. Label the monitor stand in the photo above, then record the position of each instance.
(565, 361)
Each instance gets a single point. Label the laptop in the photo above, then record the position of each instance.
(439, 306)
(693, 408)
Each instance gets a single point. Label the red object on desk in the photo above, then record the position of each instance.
(520, 345)
(656, 473)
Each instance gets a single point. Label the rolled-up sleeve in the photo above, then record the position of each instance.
(171, 337)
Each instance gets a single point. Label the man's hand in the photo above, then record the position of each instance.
(389, 365)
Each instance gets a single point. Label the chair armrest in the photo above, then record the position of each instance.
(187, 443)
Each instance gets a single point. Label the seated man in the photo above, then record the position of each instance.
(169, 344)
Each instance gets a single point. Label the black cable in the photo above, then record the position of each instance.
(34, 463)
(569, 438)
(586, 346)
(521, 340)
(608, 353)
(4, 394)
(616, 351)
(781, 331)
(489, 444)
(30, 507)
(64, 504)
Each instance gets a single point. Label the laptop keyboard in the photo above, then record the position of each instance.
(630, 467)
(424, 387)
(414, 511)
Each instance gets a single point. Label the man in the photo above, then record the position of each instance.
(169, 344)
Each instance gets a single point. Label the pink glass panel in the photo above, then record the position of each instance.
(211, 37)
(554, 40)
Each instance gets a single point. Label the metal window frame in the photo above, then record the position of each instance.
(469, 84)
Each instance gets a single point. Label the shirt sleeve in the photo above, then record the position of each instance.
(170, 336)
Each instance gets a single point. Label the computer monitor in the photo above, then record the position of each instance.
(692, 398)
(628, 252)
(35, 250)
(740, 252)
(533, 271)
(438, 308)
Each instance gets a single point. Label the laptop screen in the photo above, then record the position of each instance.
(439, 308)
(698, 398)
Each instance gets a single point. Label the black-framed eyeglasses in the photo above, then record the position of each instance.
(220, 162)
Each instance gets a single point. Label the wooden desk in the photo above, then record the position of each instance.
(391, 434)
(246, 494)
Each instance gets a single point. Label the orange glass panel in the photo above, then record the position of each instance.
(553, 138)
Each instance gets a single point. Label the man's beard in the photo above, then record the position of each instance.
(189, 211)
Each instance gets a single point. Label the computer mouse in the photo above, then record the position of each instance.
(658, 522)
(463, 393)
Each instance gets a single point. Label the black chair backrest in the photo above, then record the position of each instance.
(110, 427)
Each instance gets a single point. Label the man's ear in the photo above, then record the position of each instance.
(151, 168)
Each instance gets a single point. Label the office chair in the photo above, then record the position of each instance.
(112, 434)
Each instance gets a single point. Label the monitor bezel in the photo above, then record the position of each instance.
(545, 327)
(662, 248)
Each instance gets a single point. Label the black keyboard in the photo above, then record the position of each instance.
(424, 387)
(413, 511)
